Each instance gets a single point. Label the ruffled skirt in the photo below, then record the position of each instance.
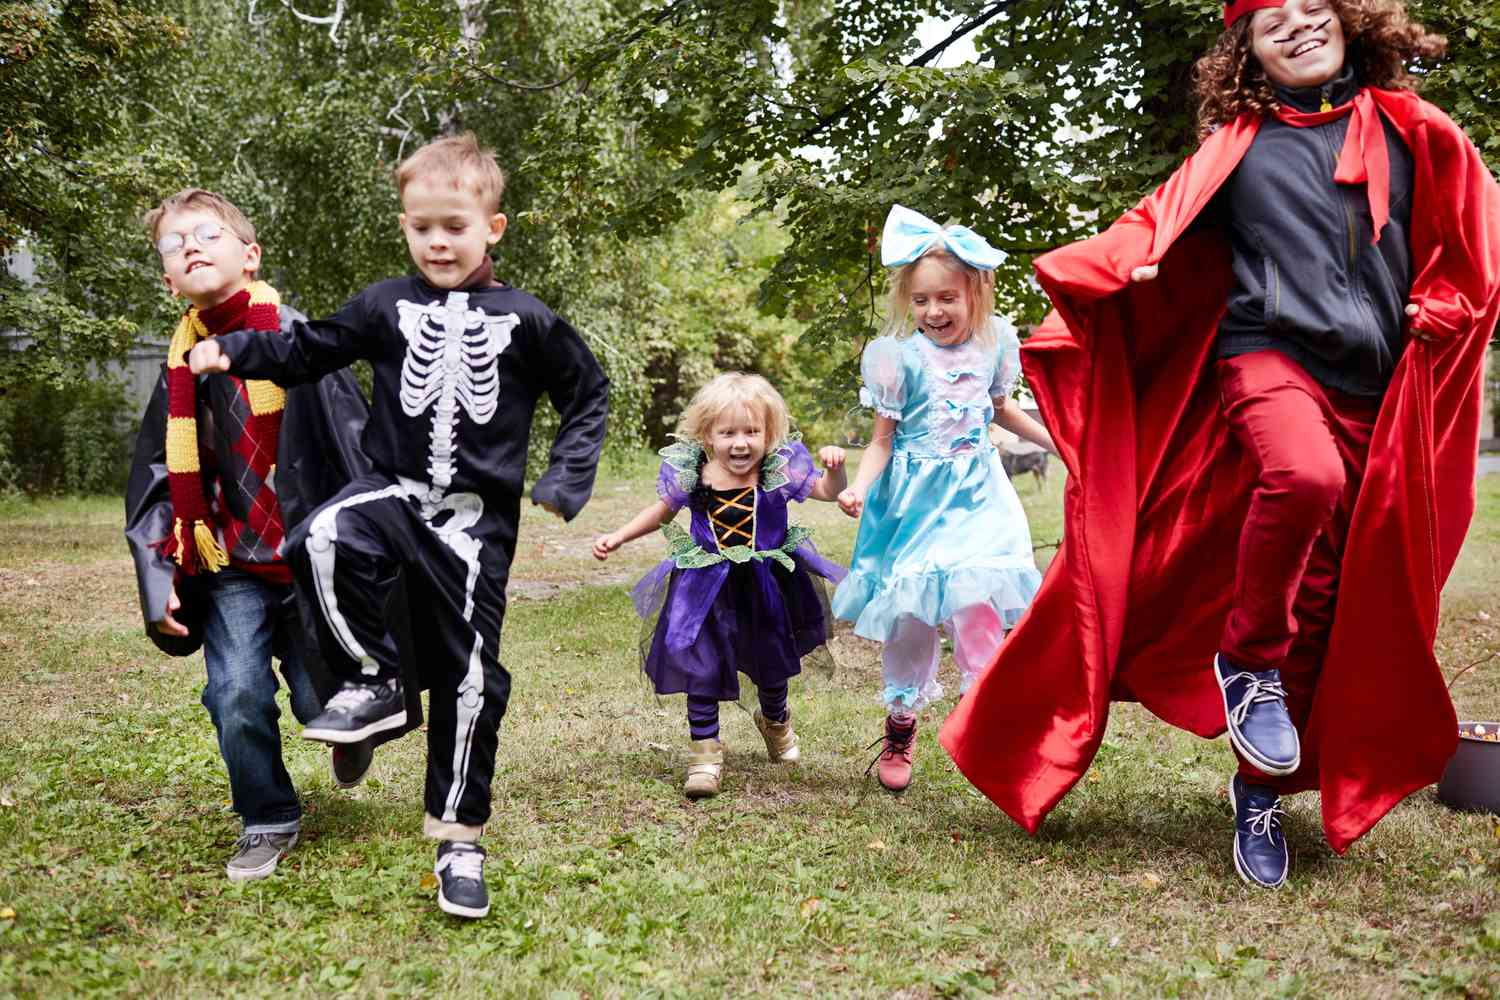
(938, 534)
(761, 620)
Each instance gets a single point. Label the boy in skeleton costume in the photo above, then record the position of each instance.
(459, 361)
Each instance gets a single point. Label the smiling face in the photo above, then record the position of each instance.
(737, 440)
(205, 271)
(1300, 44)
(940, 301)
(448, 228)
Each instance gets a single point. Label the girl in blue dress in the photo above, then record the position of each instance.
(741, 591)
(943, 542)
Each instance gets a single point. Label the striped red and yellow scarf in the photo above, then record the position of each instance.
(194, 544)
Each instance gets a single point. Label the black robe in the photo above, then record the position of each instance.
(317, 454)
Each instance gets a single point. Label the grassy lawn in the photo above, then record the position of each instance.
(606, 882)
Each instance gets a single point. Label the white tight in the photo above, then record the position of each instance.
(910, 655)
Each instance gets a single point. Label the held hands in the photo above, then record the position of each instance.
(169, 625)
(605, 544)
(851, 502)
(206, 357)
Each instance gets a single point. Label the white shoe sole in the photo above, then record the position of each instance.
(472, 912)
(1244, 748)
(1240, 867)
(395, 721)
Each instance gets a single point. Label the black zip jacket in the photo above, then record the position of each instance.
(1308, 281)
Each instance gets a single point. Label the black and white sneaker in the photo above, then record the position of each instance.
(349, 762)
(359, 711)
(460, 874)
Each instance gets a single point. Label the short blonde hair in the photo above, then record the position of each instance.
(207, 201)
(736, 389)
(462, 161)
(981, 289)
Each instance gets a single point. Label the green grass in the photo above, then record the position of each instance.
(606, 882)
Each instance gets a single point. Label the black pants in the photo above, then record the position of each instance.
(454, 556)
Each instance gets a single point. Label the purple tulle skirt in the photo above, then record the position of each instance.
(704, 627)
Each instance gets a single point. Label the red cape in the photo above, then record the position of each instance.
(1134, 604)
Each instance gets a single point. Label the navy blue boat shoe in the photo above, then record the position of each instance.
(1260, 852)
(1260, 729)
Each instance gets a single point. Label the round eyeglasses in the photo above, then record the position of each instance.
(205, 233)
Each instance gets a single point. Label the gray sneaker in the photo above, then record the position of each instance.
(256, 855)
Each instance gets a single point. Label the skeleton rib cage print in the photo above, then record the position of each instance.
(452, 361)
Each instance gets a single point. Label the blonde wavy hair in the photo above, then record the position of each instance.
(736, 389)
(900, 321)
(462, 162)
(1381, 38)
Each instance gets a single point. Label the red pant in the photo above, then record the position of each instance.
(1309, 444)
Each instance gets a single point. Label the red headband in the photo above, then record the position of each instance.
(1236, 9)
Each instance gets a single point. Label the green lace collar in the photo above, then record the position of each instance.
(686, 458)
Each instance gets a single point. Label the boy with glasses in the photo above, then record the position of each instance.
(206, 512)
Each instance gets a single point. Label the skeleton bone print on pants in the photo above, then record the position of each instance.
(450, 368)
(457, 374)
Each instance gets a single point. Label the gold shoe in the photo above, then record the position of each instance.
(781, 740)
(706, 764)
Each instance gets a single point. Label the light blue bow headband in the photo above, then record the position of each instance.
(908, 235)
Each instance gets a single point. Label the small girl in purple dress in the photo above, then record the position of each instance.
(741, 591)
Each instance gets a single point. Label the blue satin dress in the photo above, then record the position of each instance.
(942, 527)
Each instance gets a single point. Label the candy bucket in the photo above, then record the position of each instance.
(1472, 778)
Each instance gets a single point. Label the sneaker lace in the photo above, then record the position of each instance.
(1264, 822)
(250, 840)
(464, 863)
(891, 743)
(350, 698)
(1259, 691)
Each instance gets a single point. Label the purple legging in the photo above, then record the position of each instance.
(703, 713)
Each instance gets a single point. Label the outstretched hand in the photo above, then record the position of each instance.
(206, 357)
(605, 544)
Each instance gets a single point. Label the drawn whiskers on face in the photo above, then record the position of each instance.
(1314, 31)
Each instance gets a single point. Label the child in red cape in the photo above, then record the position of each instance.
(1265, 383)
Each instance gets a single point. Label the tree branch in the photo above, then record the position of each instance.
(972, 24)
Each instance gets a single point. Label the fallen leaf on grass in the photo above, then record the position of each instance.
(7, 913)
(429, 881)
(8, 802)
(875, 845)
(1040, 861)
(659, 746)
(810, 906)
(1151, 880)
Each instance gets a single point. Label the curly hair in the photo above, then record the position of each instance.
(1381, 38)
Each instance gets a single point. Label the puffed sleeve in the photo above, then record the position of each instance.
(884, 375)
(1007, 358)
(795, 462)
(679, 473)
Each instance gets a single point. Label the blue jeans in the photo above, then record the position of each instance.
(245, 614)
